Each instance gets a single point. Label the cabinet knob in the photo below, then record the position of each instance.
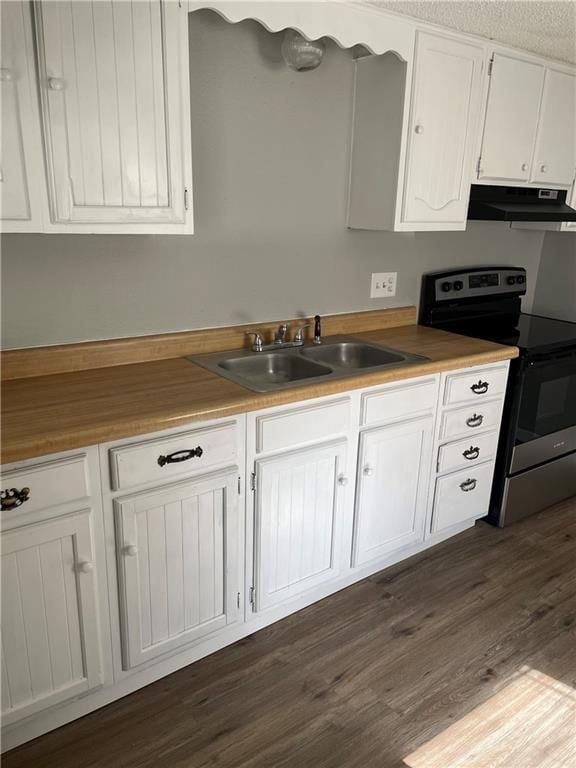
(419, 129)
(6, 75)
(131, 550)
(86, 567)
(524, 167)
(56, 84)
(368, 470)
(543, 168)
(342, 480)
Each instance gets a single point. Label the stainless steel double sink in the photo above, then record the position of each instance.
(285, 367)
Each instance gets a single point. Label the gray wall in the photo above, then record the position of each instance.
(556, 285)
(270, 153)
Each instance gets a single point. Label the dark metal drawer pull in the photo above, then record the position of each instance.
(475, 420)
(481, 388)
(12, 497)
(472, 453)
(468, 485)
(174, 458)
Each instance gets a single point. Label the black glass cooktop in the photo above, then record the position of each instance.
(531, 333)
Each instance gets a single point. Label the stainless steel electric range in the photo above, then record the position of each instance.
(536, 460)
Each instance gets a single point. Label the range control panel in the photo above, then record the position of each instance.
(485, 282)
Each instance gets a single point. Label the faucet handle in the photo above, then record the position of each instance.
(258, 343)
(298, 333)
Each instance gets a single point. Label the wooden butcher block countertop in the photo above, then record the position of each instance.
(62, 411)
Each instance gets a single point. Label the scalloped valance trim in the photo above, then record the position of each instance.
(347, 24)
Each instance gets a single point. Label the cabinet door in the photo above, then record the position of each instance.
(115, 100)
(179, 553)
(21, 169)
(393, 475)
(511, 119)
(555, 155)
(50, 630)
(298, 526)
(443, 130)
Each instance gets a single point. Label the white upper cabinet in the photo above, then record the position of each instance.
(114, 87)
(21, 168)
(414, 136)
(442, 130)
(511, 121)
(555, 153)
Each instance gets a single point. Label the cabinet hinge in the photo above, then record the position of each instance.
(185, 198)
(490, 66)
(253, 481)
(238, 599)
(239, 485)
(252, 596)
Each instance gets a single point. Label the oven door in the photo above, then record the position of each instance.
(545, 426)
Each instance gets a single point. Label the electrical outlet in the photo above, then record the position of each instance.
(383, 285)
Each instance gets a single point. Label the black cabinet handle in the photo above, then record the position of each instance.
(471, 453)
(12, 497)
(480, 388)
(468, 485)
(174, 458)
(475, 420)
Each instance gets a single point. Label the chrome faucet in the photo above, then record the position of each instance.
(280, 337)
(280, 341)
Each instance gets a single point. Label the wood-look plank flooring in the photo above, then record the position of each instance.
(361, 679)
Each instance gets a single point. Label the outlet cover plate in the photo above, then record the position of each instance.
(383, 285)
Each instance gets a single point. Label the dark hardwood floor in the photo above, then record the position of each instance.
(360, 679)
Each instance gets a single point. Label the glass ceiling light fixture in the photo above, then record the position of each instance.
(300, 54)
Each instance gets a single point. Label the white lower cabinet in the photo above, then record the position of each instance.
(178, 551)
(50, 629)
(392, 488)
(124, 562)
(462, 496)
(298, 525)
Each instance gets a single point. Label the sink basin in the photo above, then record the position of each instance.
(273, 368)
(353, 354)
(336, 358)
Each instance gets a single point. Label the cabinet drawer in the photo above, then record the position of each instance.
(48, 484)
(471, 419)
(468, 452)
(184, 454)
(475, 386)
(302, 425)
(462, 496)
(395, 402)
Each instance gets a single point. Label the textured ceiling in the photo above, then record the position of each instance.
(546, 27)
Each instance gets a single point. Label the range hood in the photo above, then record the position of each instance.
(491, 203)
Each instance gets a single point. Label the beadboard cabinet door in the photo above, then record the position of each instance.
(555, 153)
(22, 185)
(298, 526)
(114, 86)
(179, 553)
(392, 488)
(50, 630)
(511, 121)
(446, 101)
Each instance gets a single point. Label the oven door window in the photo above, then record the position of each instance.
(548, 401)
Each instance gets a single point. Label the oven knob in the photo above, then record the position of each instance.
(511, 280)
(458, 285)
(521, 279)
(446, 287)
